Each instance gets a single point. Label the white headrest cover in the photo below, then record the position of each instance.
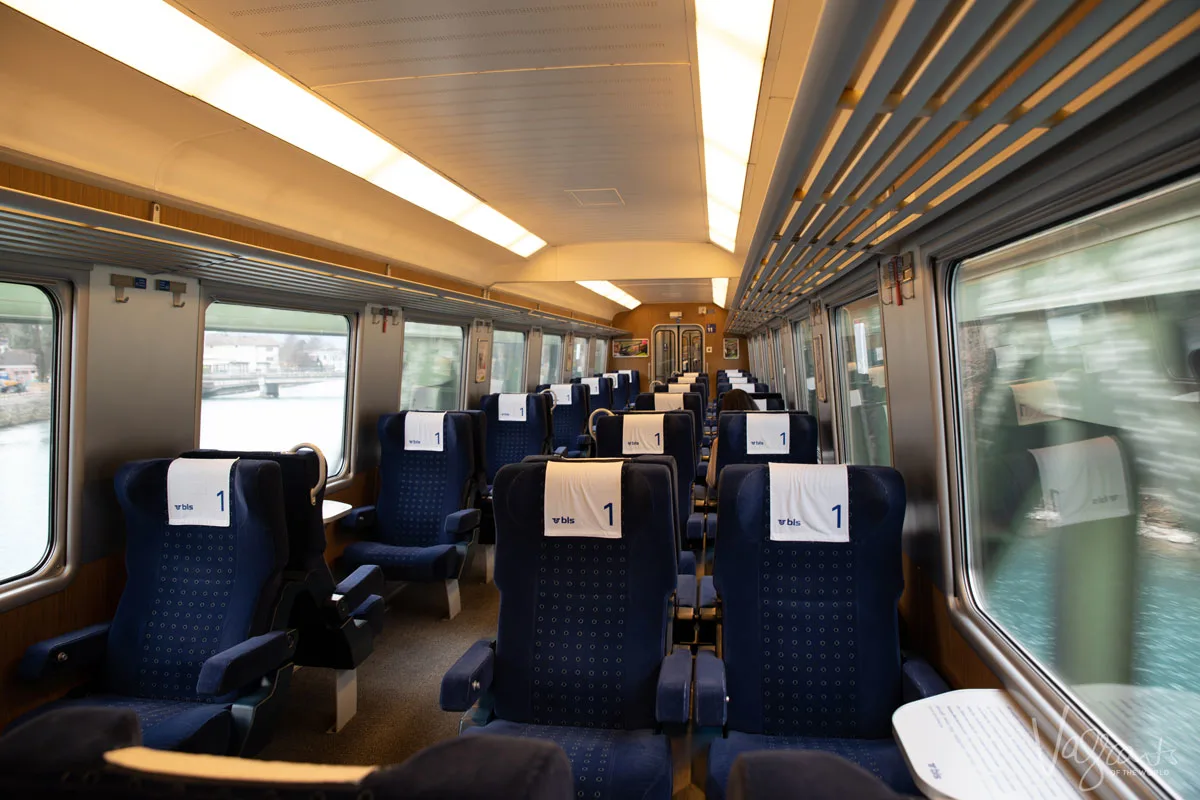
(678, 388)
(810, 502)
(628, 372)
(583, 498)
(767, 433)
(732, 373)
(198, 491)
(760, 403)
(511, 408)
(423, 430)
(562, 393)
(593, 385)
(689, 377)
(668, 401)
(1083, 481)
(643, 434)
(1036, 401)
(736, 379)
(615, 377)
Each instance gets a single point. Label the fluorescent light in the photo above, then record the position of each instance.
(731, 43)
(155, 38)
(607, 290)
(720, 289)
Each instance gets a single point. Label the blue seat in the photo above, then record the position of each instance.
(335, 621)
(424, 517)
(810, 774)
(699, 385)
(810, 629)
(509, 440)
(217, 687)
(621, 389)
(570, 420)
(635, 382)
(732, 444)
(692, 402)
(600, 391)
(583, 630)
(770, 401)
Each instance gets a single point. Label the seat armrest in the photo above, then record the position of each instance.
(561, 451)
(471, 676)
(687, 563)
(75, 650)
(359, 521)
(710, 689)
(685, 592)
(673, 700)
(921, 680)
(245, 663)
(461, 524)
(354, 590)
(695, 527)
(583, 442)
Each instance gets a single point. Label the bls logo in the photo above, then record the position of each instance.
(414, 441)
(632, 443)
(934, 771)
(184, 507)
(791, 523)
(563, 520)
(757, 443)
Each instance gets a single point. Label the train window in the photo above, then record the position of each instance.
(579, 358)
(432, 373)
(802, 337)
(273, 378)
(1080, 437)
(28, 334)
(781, 376)
(863, 383)
(508, 361)
(550, 367)
(599, 352)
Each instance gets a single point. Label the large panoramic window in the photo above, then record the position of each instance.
(432, 374)
(273, 378)
(863, 382)
(1078, 387)
(28, 329)
(508, 361)
(550, 368)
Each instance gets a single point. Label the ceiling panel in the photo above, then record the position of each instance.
(517, 102)
(697, 290)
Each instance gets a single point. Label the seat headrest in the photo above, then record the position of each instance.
(423, 430)
(583, 498)
(198, 491)
(664, 401)
(1083, 481)
(809, 502)
(642, 434)
(512, 407)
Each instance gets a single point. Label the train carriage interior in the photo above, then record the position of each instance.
(600, 399)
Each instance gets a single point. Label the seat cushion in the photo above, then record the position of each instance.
(607, 764)
(436, 563)
(880, 757)
(166, 724)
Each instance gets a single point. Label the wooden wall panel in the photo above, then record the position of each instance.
(91, 598)
(641, 320)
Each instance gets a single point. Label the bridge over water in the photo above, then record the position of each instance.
(267, 384)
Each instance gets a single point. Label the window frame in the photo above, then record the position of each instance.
(524, 355)
(562, 344)
(63, 557)
(1051, 702)
(859, 288)
(353, 315)
(464, 327)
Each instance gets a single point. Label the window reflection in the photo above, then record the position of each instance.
(863, 380)
(432, 372)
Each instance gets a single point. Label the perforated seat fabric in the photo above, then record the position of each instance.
(570, 422)
(440, 562)
(188, 727)
(509, 442)
(880, 757)
(605, 764)
(810, 631)
(418, 489)
(604, 398)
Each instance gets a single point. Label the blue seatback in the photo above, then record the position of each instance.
(602, 398)
(301, 474)
(678, 443)
(509, 442)
(621, 393)
(583, 621)
(699, 388)
(570, 422)
(731, 440)
(810, 635)
(774, 400)
(479, 438)
(691, 402)
(418, 489)
(192, 590)
(635, 383)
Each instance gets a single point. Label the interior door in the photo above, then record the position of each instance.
(677, 348)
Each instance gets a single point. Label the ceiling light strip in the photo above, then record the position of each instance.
(151, 36)
(731, 44)
(611, 292)
(720, 289)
